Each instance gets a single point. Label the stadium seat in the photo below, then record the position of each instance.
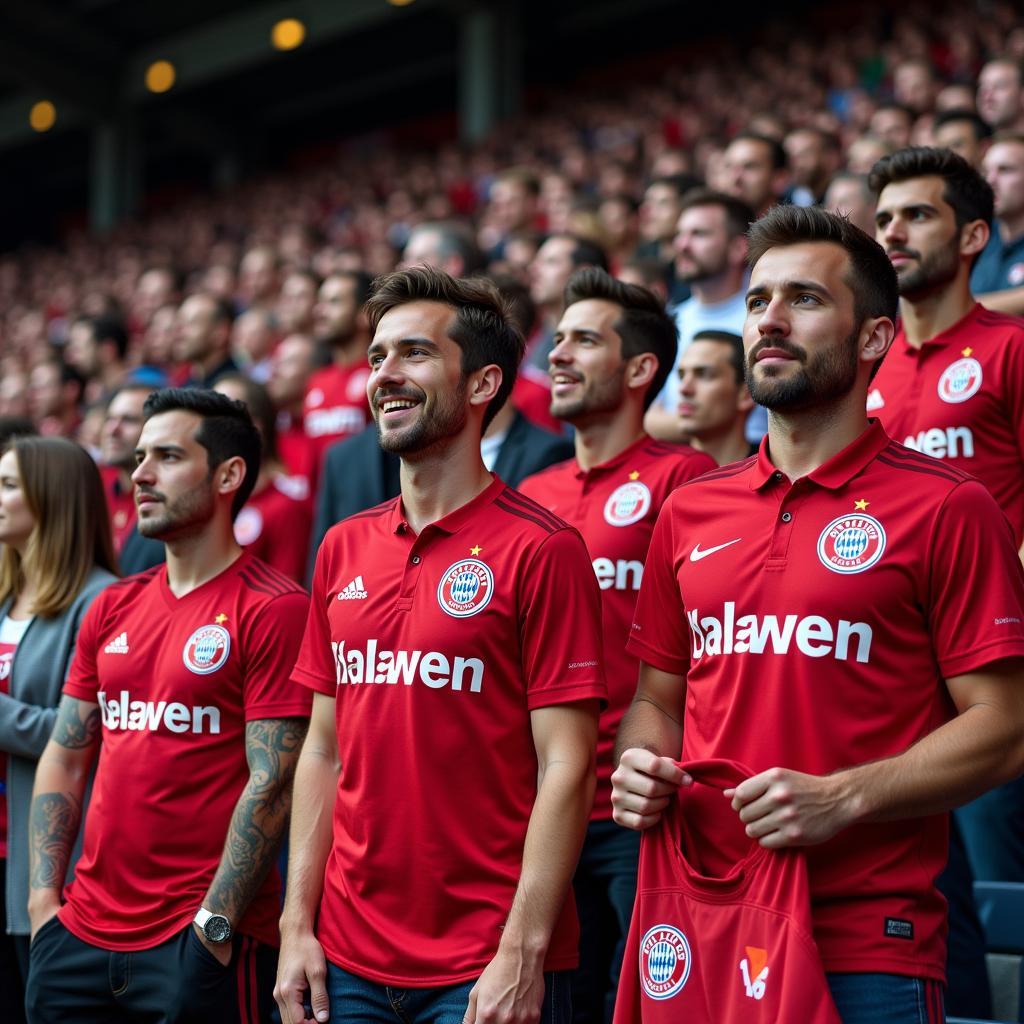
(1001, 912)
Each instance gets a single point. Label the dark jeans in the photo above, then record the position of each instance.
(178, 982)
(886, 999)
(993, 831)
(605, 890)
(355, 1000)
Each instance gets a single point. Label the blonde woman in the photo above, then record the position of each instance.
(57, 555)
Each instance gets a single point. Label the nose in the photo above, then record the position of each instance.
(686, 383)
(559, 355)
(772, 319)
(894, 232)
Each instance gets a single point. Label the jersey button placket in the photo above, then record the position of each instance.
(783, 528)
(411, 576)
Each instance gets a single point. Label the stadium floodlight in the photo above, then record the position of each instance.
(42, 116)
(160, 76)
(288, 34)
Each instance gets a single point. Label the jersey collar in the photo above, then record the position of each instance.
(943, 337)
(454, 521)
(838, 471)
(616, 461)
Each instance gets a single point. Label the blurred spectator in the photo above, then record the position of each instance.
(892, 123)
(258, 279)
(296, 301)
(956, 96)
(714, 402)
(252, 342)
(119, 437)
(54, 398)
(620, 229)
(711, 255)
(447, 247)
(292, 365)
(963, 132)
(203, 339)
(1000, 268)
(814, 156)
(14, 394)
(275, 522)
(157, 349)
(1000, 95)
(754, 171)
(659, 215)
(850, 195)
(335, 404)
(864, 152)
(513, 206)
(156, 287)
(914, 85)
(649, 274)
(96, 348)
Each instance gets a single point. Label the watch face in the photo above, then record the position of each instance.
(217, 928)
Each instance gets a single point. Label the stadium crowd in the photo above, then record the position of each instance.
(627, 207)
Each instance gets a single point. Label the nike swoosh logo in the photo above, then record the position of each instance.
(696, 554)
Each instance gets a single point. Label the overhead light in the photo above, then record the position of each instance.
(400, 3)
(42, 116)
(288, 34)
(160, 76)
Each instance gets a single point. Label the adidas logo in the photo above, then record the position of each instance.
(354, 591)
(119, 645)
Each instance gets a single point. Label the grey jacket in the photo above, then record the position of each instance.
(27, 714)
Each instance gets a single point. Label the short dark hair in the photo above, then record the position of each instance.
(738, 215)
(893, 105)
(261, 409)
(643, 326)
(107, 328)
(227, 430)
(776, 150)
(966, 191)
(679, 183)
(483, 327)
(453, 239)
(585, 252)
(362, 283)
(734, 342)
(871, 278)
(944, 117)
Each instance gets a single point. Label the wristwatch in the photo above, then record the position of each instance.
(216, 927)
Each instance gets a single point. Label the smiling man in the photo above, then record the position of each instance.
(614, 348)
(454, 714)
(180, 676)
(843, 616)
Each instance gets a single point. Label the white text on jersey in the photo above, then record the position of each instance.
(622, 574)
(951, 443)
(122, 713)
(814, 636)
(370, 665)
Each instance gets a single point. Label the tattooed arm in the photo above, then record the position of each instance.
(259, 820)
(56, 810)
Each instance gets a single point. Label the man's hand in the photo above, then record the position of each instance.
(220, 950)
(301, 969)
(785, 808)
(642, 786)
(39, 914)
(510, 990)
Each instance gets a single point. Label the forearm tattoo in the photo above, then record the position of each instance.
(260, 818)
(77, 725)
(53, 826)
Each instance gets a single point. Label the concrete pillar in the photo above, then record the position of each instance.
(115, 183)
(480, 63)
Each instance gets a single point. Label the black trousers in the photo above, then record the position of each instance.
(177, 982)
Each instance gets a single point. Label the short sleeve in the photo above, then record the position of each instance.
(315, 666)
(659, 635)
(82, 682)
(272, 645)
(976, 592)
(560, 624)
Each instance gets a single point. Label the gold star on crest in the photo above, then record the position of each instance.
(862, 505)
(475, 549)
(221, 619)
(967, 351)
(634, 475)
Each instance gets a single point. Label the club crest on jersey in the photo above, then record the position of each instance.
(960, 381)
(665, 961)
(851, 543)
(206, 649)
(465, 588)
(627, 504)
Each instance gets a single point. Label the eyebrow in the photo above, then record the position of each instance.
(376, 346)
(909, 208)
(162, 449)
(791, 286)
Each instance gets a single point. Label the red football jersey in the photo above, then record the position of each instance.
(120, 505)
(815, 622)
(615, 506)
(960, 398)
(721, 929)
(176, 680)
(436, 648)
(335, 406)
(275, 524)
(295, 448)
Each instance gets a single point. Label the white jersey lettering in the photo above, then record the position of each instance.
(813, 635)
(951, 443)
(432, 668)
(124, 714)
(622, 574)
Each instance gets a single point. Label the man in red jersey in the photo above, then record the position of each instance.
(335, 404)
(841, 614)
(181, 679)
(953, 384)
(613, 349)
(454, 716)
